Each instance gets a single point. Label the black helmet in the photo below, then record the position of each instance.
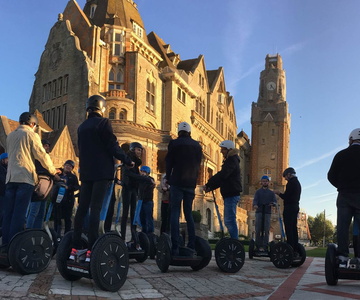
(289, 170)
(135, 145)
(28, 118)
(96, 103)
(45, 142)
(70, 162)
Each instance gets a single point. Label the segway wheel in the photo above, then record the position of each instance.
(203, 250)
(30, 251)
(282, 255)
(331, 267)
(145, 246)
(153, 239)
(251, 248)
(229, 255)
(62, 256)
(302, 254)
(109, 262)
(163, 253)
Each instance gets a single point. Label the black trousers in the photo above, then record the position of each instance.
(290, 221)
(129, 198)
(92, 195)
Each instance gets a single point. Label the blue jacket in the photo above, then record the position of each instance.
(183, 162)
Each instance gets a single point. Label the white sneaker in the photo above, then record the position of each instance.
(343, 261)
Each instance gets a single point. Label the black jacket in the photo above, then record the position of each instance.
(229, 177)
(344, 173)
(97, 148)
(292, 193)
(183, 162)
(146, 190)
(131, 177)
(72, 184)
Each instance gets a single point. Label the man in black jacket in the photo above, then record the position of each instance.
(344, 174)
(291, 198)
(229, 181)
(97, 148)
(182, 168)
(3, 170)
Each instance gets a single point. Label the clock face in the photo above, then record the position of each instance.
(271, 85)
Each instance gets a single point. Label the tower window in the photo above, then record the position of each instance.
(150, 96)
(112, 113)
(123, 114)
(92, 10)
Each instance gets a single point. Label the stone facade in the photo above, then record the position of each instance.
(104, 49)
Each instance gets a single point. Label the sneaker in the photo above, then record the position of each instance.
(138, 248)
(343, 261)
(76, 253)
(88, 255)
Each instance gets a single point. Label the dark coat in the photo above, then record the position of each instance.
(292, 193)
(131, 176)
(146, 190)
(229, 177)
(344, 173)
(183, 162)
(97, 148)
(3, 170)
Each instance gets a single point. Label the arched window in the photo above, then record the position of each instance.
(112, 113)
(123, 114)
(208, 218)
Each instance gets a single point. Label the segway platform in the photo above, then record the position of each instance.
(197, 259)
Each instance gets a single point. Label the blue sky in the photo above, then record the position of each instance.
(318, 41)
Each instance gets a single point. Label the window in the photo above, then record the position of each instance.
(116, 79)
(59, 87)
(200, 107)
(112, 113)
(53, 90)
(64, 114)
(44, 92)
(92, 10)
(66, 82)
(58, 117)
(123, 114)
(181, 95)
(137, 30)
(150, 96)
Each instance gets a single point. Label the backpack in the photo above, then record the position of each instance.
(43, 187)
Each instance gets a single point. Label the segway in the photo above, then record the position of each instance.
(282, 254)
(142, 254)
(109, 262)
(29, 251)
(332, 271)
(187, 257)
(253, 249)
(229, 252)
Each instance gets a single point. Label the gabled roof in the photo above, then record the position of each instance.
(189, 65)
(114, 12)
(160, 46)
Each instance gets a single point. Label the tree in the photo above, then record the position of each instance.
(318, 228)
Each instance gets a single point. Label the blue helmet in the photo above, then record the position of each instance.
(145, 169)
(3, 155)
(265, 177)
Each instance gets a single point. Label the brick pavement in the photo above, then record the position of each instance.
(258, 279)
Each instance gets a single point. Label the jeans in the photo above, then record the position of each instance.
(230, 204)
(146, 217)
(2, 203)
(17, 199)
(262, 229)
(348, 206)
(290, 222)
(36, 215)
(91, 196)
(63, 210)
(177, 195)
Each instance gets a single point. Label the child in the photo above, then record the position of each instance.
(146, 193)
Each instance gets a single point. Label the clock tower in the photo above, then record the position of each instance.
(270, 121)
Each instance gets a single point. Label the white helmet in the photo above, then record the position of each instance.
(355, 134)
(183, 126)
(227, 144)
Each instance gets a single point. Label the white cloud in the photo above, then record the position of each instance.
(317, 159)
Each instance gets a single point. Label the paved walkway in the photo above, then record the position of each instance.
(258, 279)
